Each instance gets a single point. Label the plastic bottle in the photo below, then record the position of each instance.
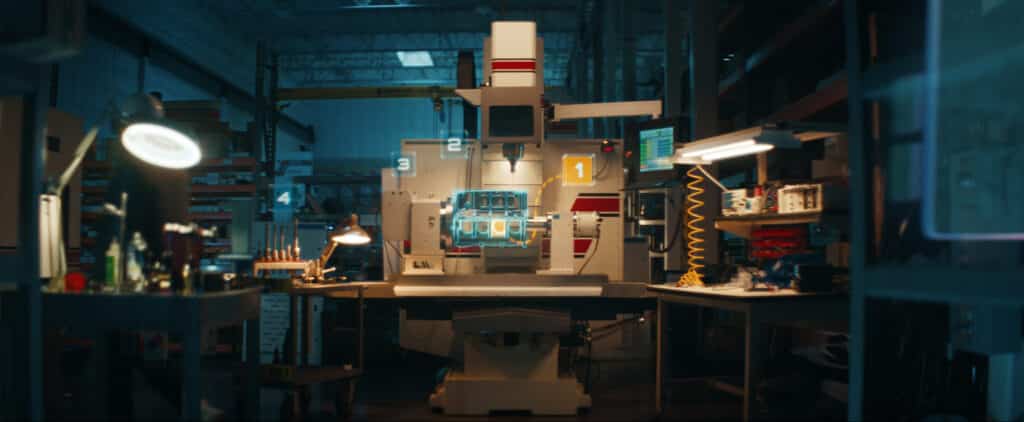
(113, 265)
(135, 261)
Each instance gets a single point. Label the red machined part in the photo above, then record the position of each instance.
(773, 253)
(781, 244)
(787, 232)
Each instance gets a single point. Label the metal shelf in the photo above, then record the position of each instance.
(210, 216)
(743, 225)
(225, 164)
(657, 222)
(941, 284)
(223, 189)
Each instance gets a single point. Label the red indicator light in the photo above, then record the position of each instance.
(607, 146)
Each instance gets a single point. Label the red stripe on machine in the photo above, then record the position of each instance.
(580, 246)
(518, 65)
(599, 204)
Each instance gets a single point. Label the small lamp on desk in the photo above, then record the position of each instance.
(349, 235)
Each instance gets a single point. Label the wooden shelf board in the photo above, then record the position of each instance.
(834, 92)
(223, 189)
(210, 216)
(743, 225)
(237, 163)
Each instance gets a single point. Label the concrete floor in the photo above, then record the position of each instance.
(400, 394)
(397, 390)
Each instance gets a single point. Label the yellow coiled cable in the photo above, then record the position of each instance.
(536, 203)
(695, 234)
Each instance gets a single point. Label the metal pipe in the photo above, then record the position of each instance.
(282, 244)
(295, 239)
(31, 175)
(266, 241)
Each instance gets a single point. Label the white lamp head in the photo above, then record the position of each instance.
(352, 234)
(151, 138)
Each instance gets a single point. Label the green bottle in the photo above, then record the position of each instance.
(113, 267)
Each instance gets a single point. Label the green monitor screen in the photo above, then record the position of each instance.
(656, 149)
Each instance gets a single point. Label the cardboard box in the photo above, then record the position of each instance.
(837, 148)
(828, 168)
(64, 132)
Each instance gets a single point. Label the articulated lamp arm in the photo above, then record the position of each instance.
(326, 255)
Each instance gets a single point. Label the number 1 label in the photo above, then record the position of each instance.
(578, 170)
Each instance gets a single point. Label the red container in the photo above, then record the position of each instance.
(74, 282)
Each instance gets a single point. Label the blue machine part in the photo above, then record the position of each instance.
(490, 218)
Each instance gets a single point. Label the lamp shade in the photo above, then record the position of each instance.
(151, 138)
(752, 141)
(160, 145)
(352, 234)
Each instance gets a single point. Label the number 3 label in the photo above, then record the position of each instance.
(578, 170)
(404, 165)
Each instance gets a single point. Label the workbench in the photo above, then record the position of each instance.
(758, 308)
(187, 314)
(434, 297)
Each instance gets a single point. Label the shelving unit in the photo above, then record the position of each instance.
(886, 47)
(95, 173)
(227, 172)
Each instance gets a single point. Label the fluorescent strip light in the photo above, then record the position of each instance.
(736, 152)
(699, 151)
(415, 58)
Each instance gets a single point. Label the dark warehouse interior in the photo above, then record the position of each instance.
(557, 210)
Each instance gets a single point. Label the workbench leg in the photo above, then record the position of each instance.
(53, 387)
(100, 390)
(252, 370)
(752, 366)
(190, 394)
(293, 322)
(307, 331)
(361, 329)
(661, 361)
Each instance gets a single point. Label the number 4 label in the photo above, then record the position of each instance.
(578, 170)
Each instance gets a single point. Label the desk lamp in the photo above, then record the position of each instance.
(147, 135)
(349, 235)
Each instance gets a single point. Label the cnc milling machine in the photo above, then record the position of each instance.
(518, 235)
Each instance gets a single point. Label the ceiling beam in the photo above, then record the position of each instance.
(356, 92)
(119, 32)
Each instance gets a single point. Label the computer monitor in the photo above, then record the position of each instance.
(656, 148)
(649, 149)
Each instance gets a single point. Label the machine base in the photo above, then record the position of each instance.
(556, 272)
(461, 394)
